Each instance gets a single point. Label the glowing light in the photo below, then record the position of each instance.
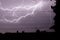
(30, 11)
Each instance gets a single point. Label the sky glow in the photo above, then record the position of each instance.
(28, 9)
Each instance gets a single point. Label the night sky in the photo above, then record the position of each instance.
(42, 18)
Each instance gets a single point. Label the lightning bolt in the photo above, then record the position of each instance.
(13, 10)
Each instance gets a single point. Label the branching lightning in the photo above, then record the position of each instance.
(13, 10)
